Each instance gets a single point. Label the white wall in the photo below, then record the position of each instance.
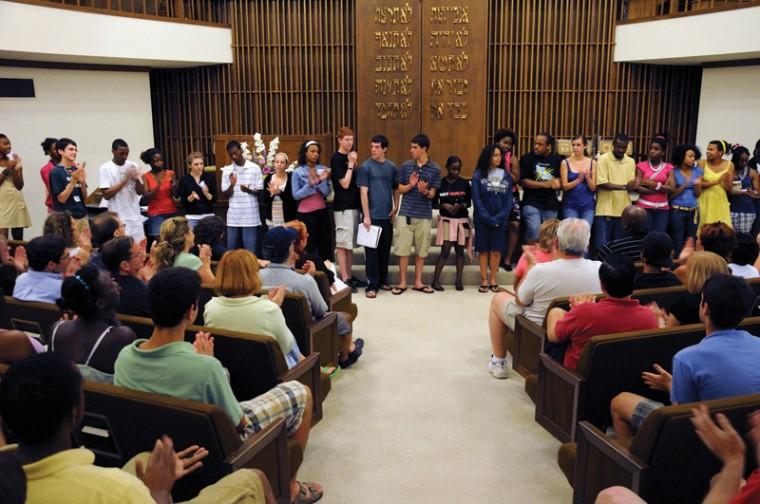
(716, 36)
(91, 107)
(729, 106)
(33, 32)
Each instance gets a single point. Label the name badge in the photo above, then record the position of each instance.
(77, 199)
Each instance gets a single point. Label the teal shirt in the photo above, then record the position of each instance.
(177, 370)
(188, 261)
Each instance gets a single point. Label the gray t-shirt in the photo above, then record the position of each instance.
(380, 178)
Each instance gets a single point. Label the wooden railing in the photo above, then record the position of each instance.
(201, 11)
(640, 10)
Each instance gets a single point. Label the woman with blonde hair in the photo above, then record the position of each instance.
(172, 249)
(197, 189)
(699, 267)
(237, 308)
(544, 250)
(278, 206)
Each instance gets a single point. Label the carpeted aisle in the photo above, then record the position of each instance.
(420, 420)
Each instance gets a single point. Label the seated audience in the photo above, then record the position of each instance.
(237, 308)
(279, 243)
(173, 249)
(58, 472)
(77, 238)
(685, 310)
(303, 256)
(94, 339)
(124, 259)
(105, 226)
(634, 223)
(657, 256)
(614, 313)
(11, 265)
(743, 257)
(167, 364)
(568, 274)
(48, 260)
(723, 364)
(728, 446)
(544, 250)
(210, 231)
(717, 238)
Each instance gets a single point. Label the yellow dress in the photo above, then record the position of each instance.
(713, 201)
(13, 210)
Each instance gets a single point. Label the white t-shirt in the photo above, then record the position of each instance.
(243, 208)
(561, 277)
(746, 271)
(126, 202)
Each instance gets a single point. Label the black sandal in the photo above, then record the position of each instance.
(483, 289)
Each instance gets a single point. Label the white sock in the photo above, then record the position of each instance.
(499, 361)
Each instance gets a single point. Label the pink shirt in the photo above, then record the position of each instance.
(659, 174)
(541, 257)
(45, 174)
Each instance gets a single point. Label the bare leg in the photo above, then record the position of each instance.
(440, 262)
(419, 264)
(345, 258)
(622, 408)
(497, 325)
(483, 262)
(618, 495)
(301, 436)
(494, 264)
(403, 265)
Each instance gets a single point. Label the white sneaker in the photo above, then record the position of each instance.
(498, 370)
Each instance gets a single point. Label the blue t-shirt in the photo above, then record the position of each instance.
(380, 178)
(59, 179)
(414, 203)
(724, 364)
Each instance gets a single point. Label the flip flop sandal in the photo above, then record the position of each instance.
(386, 287)
(494, 288)
(398, 290)
(371, 294)
(332, 374)
(424, 289)
(483, 289)
(438, 288)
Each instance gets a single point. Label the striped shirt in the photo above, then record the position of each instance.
(628, 245)
(414, 203)
(243, 207)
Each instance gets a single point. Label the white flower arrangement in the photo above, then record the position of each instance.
(263, 157)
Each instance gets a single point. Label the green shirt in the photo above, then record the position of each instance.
(189, 261)
(177, 370)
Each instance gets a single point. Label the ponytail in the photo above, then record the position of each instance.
(172, 241)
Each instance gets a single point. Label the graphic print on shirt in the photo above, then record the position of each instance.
(544, 172)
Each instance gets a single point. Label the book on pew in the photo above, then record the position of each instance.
(368, 238)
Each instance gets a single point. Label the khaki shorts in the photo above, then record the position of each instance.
(511, 311)
(346, 224)
(416, 233)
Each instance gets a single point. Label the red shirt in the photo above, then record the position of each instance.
(750, 493)
(162, 202)
(45, 174)
(608, 316)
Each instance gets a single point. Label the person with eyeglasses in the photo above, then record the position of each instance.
(124, 258)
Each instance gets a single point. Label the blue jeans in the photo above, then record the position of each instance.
(243, 237)
(682, 226)
(657, 220)
(532, 218)
(606, 229)
(574, 213)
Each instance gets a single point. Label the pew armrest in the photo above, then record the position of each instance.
(559, 397)
(324, 339)
(601, 463)
(309, 373)
(341, 300)
(528, 342)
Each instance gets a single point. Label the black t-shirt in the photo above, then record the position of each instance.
(187, 185)
(540, 169)
(345, 199)
(133, 299)
(458, 191)
(655, 280)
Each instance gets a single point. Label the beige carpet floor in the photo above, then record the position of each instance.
(419, 420)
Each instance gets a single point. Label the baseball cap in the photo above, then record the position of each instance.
(658, 248)
(278, 240)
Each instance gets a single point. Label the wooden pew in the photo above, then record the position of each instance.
(665, 463)
(29, 316)
(255, 363)
(120, 423)
(527, 337)
(608, 365)
(339, 301)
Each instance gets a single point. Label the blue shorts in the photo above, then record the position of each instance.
(490, 239)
